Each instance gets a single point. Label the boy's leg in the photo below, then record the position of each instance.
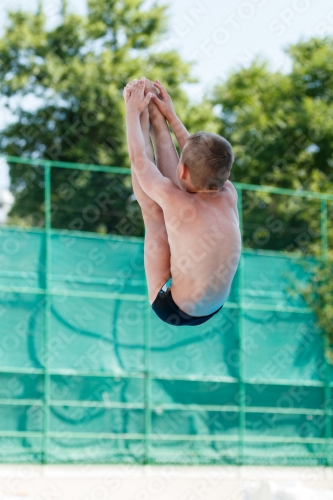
(165, 152)
(156, 254)
(148, 206)
(156, 247)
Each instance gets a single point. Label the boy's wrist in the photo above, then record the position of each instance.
(171, 116)
(130, 113)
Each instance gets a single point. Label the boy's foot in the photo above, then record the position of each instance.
(150, 87)
(144, 117)
(154, 112)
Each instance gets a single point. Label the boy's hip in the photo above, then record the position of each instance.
(168, 311)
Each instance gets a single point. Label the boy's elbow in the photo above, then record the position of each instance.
(131, 157)
(138, 160)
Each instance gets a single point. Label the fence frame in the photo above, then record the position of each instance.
(148, 375)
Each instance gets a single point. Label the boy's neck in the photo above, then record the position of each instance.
(205, 191)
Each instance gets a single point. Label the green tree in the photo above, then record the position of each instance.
(77, 71)
(318, 295)
(281, 127)
(318, 291)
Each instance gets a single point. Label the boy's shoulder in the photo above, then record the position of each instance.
(230, 190)
(176, 194)
(229, 186)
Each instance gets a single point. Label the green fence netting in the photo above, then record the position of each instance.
(88, 374)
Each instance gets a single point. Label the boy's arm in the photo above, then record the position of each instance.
(153, 183)
(180, 131)
(164, 103)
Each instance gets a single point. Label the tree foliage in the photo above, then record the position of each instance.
(281, 126)
(77, 71)
(318, 294)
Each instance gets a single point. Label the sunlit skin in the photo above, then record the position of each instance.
(191, 235)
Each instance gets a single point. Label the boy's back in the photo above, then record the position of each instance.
(205, 244)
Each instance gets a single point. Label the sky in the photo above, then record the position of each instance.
(218, 35)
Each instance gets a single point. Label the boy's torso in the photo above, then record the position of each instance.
(205, 244)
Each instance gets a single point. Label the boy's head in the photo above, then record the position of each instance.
(208, 158)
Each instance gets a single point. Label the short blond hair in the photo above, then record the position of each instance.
(208, 158)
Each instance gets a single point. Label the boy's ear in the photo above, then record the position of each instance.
(183, 171)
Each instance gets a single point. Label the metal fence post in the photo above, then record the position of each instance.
(240, 337)
(328, 433)
(47, 306)
(323, 227)
(147, 341)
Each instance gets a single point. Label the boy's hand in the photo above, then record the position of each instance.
(163, 101)
(136, 101)
(127, 93)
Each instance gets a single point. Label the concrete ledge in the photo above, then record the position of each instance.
(96, 482)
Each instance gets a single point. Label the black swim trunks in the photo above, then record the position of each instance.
(168, 311)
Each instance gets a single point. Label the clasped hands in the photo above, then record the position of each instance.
(139, 93)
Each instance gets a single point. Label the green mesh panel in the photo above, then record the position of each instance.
(199, 393)
(21, 449)
(97, 334)
(22, 329)
(282, 345)
(194, 452)
(95, 450)
(93, 376)
(213, 346)
(99, 389)
(21, 418)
